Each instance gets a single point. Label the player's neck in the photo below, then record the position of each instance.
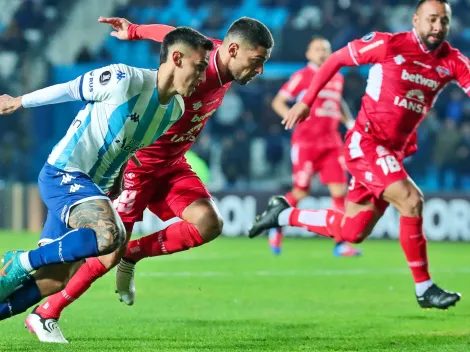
(222, 60)
(165, 86)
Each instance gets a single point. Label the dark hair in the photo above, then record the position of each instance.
(421, 2)
(252, 31)
(186, 36)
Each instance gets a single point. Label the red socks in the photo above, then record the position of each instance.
(88, 273)
(324, 222)
(413, 243)
(177, 237)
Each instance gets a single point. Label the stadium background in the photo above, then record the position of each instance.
(36, 50)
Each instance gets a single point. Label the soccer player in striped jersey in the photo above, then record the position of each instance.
(127, 109)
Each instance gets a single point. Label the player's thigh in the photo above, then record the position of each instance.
(303, 169)
(76, 201)
(187, 197)
(371, 204)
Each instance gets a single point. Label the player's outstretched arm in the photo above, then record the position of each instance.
(59, 93)
(125, 30)
(301, 110)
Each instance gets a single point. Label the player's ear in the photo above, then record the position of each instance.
(233, 49)
(415, 20)
(177, 57)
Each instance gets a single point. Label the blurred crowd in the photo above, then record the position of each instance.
(245, 130)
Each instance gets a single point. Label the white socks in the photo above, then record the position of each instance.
(283, 217)
(24, 260)
(421, 287)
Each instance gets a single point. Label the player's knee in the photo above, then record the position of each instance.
(210, 225)
(412, 202)
(111, 239)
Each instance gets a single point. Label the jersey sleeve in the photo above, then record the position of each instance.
(111, 84)
(154, 32)
(462, 72)
(370, 49)
(294, 86)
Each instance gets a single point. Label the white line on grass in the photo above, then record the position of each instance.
(287, 273)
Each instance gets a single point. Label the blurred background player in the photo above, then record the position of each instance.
(165, 182)
(317, 145)
(410, 69)
(127, 108)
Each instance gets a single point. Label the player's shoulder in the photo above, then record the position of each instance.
(375, 36)
(304, 72)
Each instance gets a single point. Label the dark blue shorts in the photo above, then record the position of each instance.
(60, 191)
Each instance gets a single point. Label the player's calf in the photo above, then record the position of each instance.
(358, 222)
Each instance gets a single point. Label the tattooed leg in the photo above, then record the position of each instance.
(99, 215)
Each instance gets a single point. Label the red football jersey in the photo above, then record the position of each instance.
(321, 127)
(170, 148)
(403, 83)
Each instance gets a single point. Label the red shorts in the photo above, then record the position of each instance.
(373, 168)
(165, 192)
(307, 161)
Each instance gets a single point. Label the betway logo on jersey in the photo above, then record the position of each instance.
(417, 78)
(414, 101)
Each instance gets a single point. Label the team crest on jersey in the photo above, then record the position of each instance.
(399, 59)
(105, 77)
(197, 106)
(368, 37)
(442, 71)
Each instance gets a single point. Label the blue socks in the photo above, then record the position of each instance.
(73, 246)
(25, 297)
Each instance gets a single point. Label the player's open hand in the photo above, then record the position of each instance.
(296, 114)
(8, 105)
(120, 26)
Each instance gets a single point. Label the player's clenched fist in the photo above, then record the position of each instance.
(8, 105)
(120, 26)
(296, 114)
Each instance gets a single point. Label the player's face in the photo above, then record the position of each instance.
(191, 70)
(247, 62)
(318, 51)
(432, 22)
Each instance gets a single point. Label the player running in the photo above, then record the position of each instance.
(165, 182)
(317, 146)
(127, 109)
(409, 70)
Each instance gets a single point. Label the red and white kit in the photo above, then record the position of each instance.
(403, 84)
(317, 146)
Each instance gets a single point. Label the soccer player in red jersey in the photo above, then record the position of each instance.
(409, 70)
(164, 182)
(317, 146)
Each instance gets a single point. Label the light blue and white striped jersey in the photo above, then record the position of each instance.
(123, 115)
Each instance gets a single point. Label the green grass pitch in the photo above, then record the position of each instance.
(233, 295)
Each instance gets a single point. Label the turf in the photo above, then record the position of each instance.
(233, 295)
